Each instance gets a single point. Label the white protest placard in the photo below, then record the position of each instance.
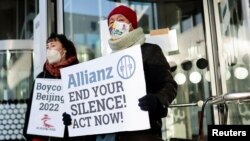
(47, 108)
(102, 94)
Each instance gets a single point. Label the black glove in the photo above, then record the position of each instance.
(66, 119)
(153, 105)
(148, 102)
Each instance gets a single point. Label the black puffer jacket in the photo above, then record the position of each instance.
(159, 82)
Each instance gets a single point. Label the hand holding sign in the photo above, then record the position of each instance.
(47, 106)
(148, 103)
(103, 97)
(152, 104)
(66, 119)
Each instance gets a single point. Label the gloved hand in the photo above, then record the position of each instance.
(153, 105)
(66, 119)
(148, 102)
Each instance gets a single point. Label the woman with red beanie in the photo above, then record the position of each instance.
(160, 85)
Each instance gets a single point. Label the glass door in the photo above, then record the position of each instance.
(16, 78)
(232, 21)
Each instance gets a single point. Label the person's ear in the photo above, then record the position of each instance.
(131, 27)
(64, 52)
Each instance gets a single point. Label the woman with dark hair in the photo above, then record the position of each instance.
(66, 44)
(61, 53)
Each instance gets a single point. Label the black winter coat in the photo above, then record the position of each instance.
(159, 82)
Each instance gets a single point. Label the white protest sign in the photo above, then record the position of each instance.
(103, 94)
(47, 108)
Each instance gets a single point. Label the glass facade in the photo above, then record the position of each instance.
(16, 77)
(16, 64)
(234, 29)
(17, 18)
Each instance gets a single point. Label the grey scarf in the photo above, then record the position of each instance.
(135, 36)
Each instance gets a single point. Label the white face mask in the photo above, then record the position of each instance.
(53, 56)
(118, 29)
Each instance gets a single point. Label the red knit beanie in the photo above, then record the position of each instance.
(127, 12)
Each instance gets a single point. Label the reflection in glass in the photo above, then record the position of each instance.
(241, 73)
(207, 76)
(234, 19)
(186, 65)
(16, 79)
(195, 77)
(180, 78)
(17, 18)
(202, 63)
